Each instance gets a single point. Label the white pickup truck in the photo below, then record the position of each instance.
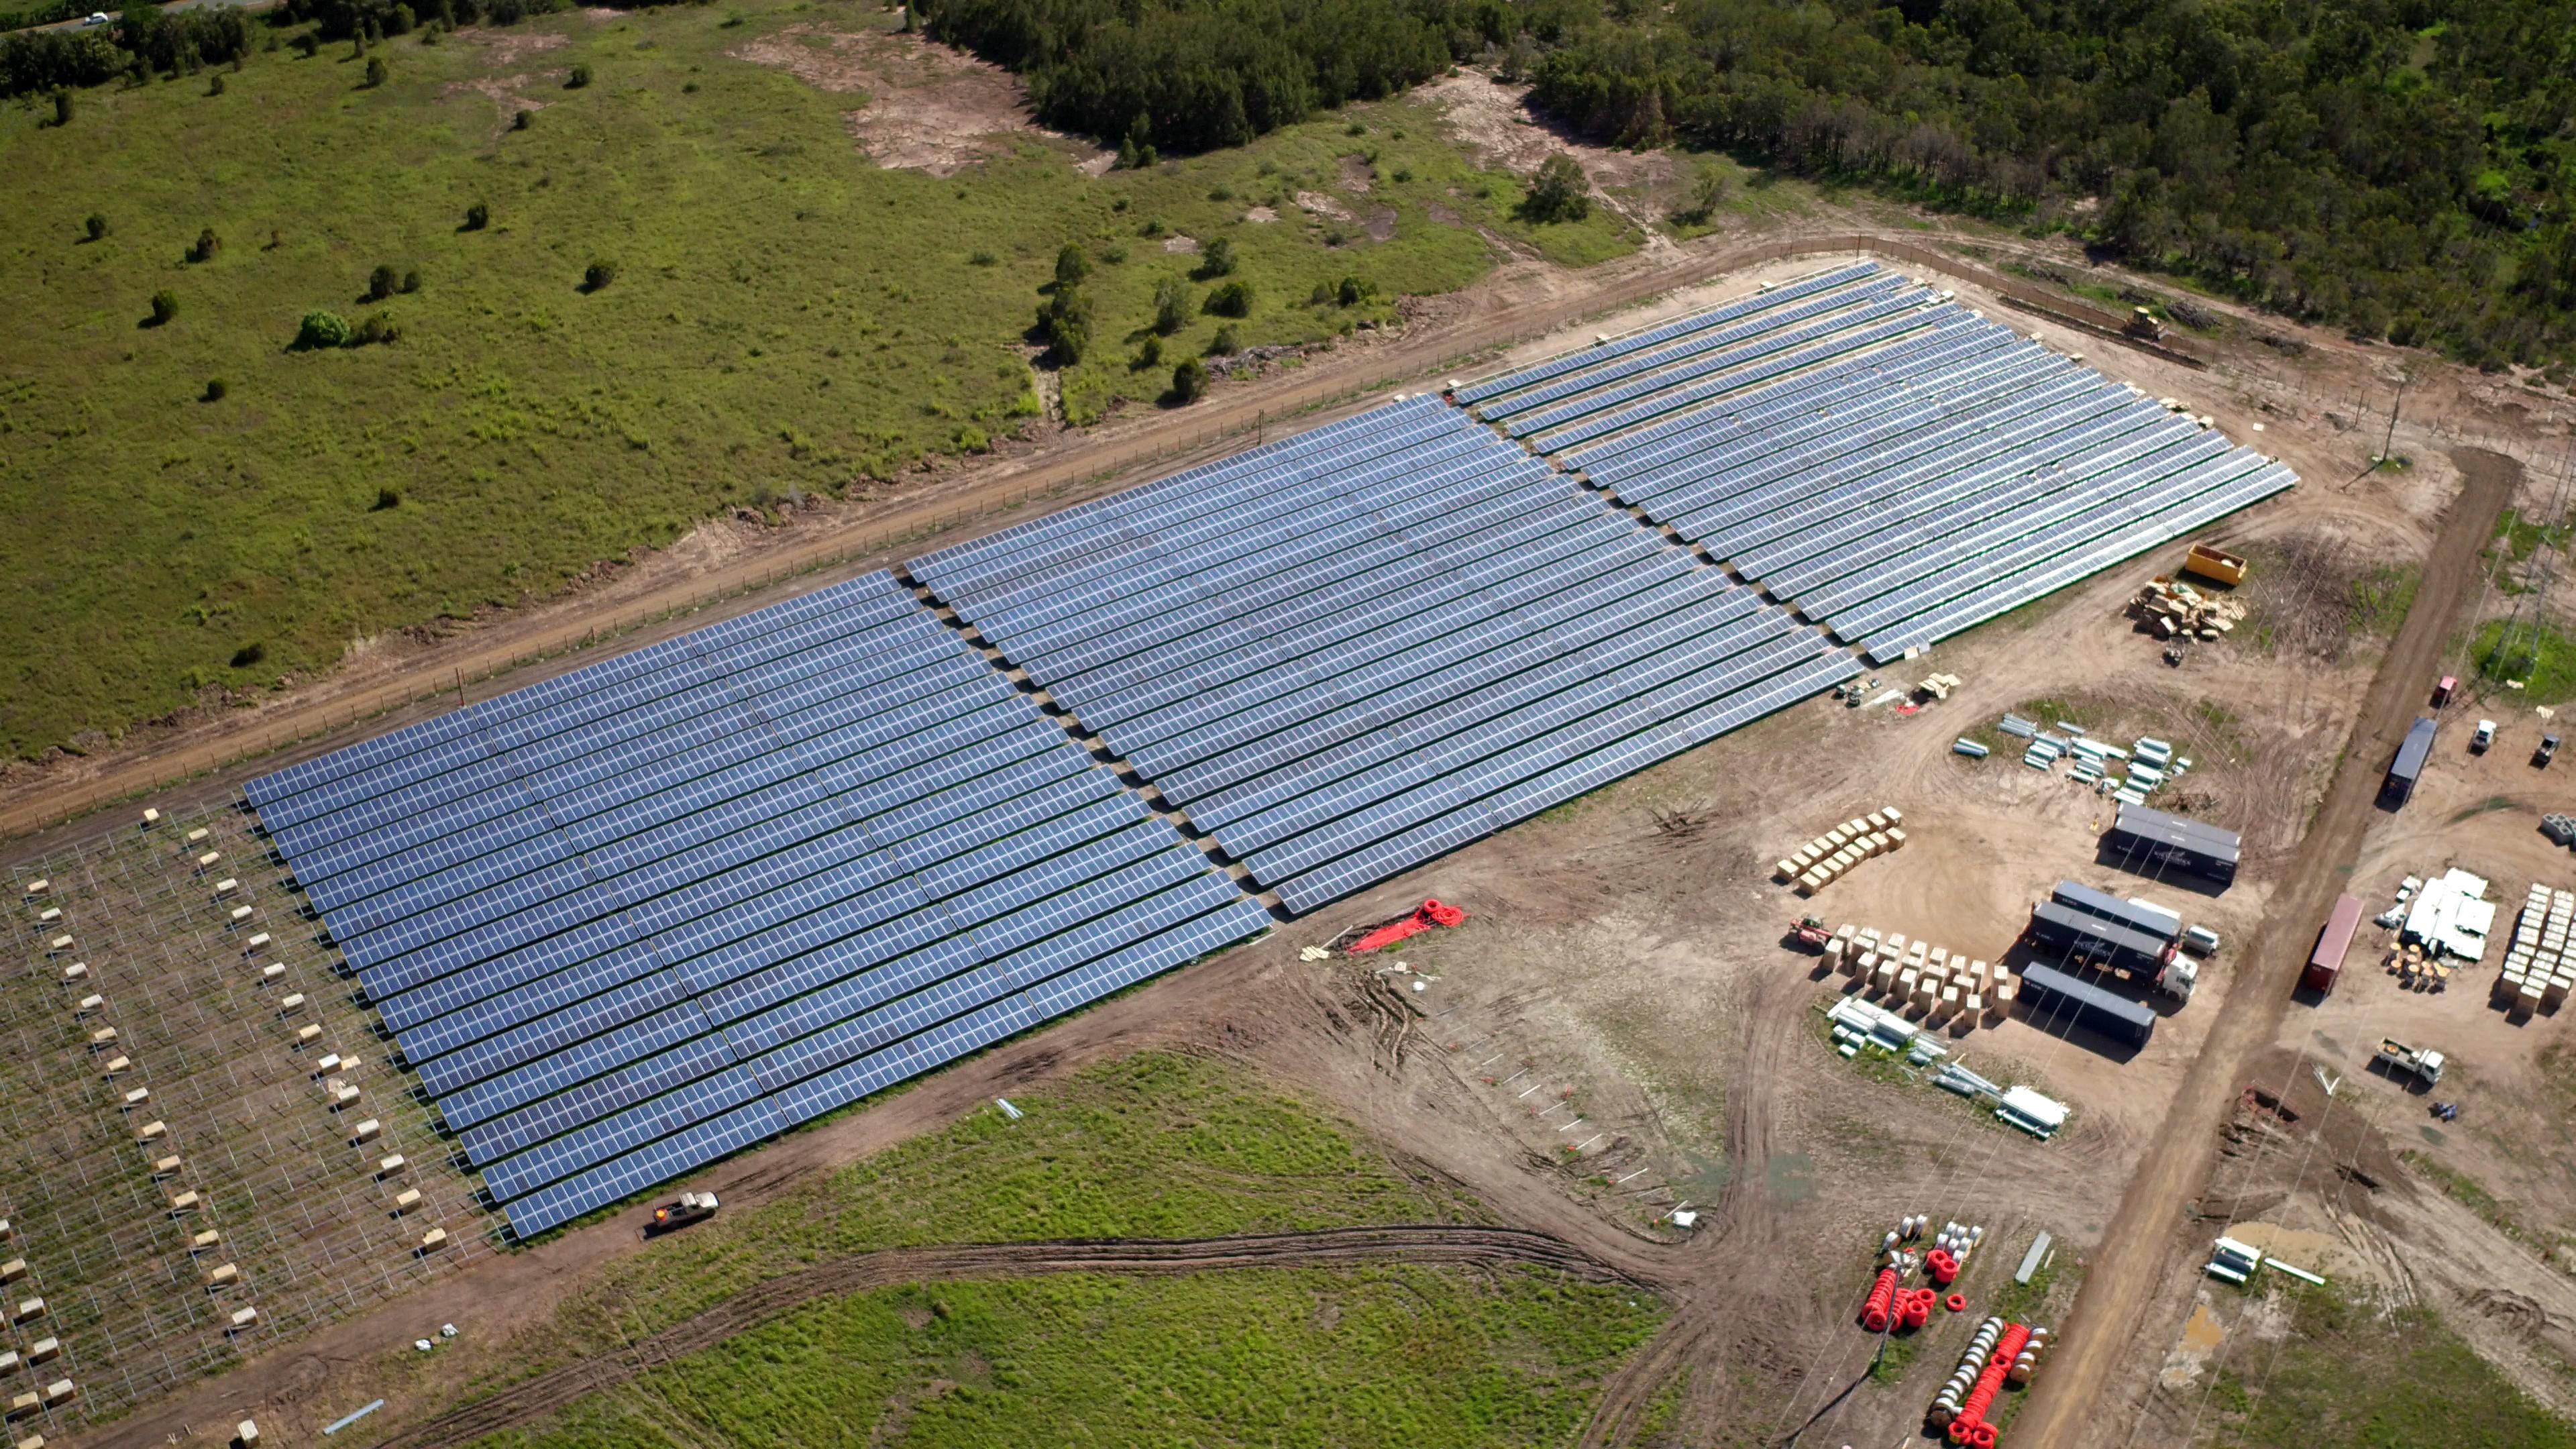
(2402, 1058)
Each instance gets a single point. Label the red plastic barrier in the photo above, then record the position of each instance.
(1424, 917)
(1874, 1313)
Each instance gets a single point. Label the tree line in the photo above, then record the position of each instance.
(1190, 75)
(2402, 168)
(144, 40)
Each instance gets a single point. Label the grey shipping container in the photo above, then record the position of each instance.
(2409, 764)
(2098, 942)
(2076, 896)
(2056, 996)
(2150, 841)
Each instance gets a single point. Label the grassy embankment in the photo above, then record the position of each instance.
(784, 317)
(1156, 1146)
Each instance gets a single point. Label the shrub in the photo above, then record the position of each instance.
(378, 328)
(1152, 228)
(1557, 192)
(381, 283)
(1224, 344)
(478, 216)
(1071, 266)
(1353, 292)
(1171, 306)
(308, 44)
(580, 77)
(375, 71)
(97, 226)
(1403, 174)
(207, 245)
(982, 259)
(1219, 261)
(215, 389)
(1708, 192)
(1114, 256)
(1149, 355)
(63, 105)
(1322, 296)
(1234, 299)
(249, 654)
(215, 87)
(165, 305)
(972, 440)
(599, 273)
(1189, 381)
(411, 280)
(386, 498)
(321, 329)
(1221, 193)
(519, 122)
(1065, 323)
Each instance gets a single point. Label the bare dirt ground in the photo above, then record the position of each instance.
(930, 107)
(1620, 1032)
(1494, 122)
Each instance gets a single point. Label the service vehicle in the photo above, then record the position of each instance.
(2397, 1056)
(692, 1207)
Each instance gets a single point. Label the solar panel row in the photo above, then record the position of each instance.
(1349, 652)
(688, 897)
(1899, 477)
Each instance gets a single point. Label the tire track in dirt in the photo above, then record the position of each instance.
(749, 1309)
(2139, 1248)
(1748, 1219)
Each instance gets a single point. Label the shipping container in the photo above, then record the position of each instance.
(2326, 961)
(2136, 915)
(2214, 563)
(2409, 764)
(2099, 942)
(2148, 841)
(2057, 996)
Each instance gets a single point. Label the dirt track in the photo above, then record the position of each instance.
(490, 662)
(2140, 1248)
(749, 1309)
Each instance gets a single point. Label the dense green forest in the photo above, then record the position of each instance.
(2402, 169)
(1188, 75)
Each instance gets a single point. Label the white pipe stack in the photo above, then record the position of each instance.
(1945, 1404)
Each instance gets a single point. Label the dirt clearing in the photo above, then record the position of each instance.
(930, 108)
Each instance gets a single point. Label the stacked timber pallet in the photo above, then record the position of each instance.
(1921, 979)
(2538, 967)
(1830, 856)
(2177, 610)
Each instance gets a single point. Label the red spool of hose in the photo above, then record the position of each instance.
(1961, 1431)
(1942, 1267)
(1917, 1313)
(1984, 1435)
(1874, 1313)
(1957, 1302)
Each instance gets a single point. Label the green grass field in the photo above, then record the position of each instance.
(2353, 1376)
(1153, 1146)
(1398, 1356)
(785, 317)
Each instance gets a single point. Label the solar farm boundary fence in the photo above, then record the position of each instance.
(1072, 476)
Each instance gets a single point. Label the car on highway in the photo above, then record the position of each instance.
(96, 17)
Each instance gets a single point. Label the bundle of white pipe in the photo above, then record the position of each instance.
(1890, 1243)
(1945, 1404)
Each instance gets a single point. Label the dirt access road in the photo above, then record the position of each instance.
(490, 662)
(2140, 1248)
(747, 1310)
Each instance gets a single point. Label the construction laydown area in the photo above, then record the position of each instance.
(633, 919)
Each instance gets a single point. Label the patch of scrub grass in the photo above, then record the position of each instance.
(2382, 597)
(1419, 1357)
(2465, 1190)
(2352, 1375)
(785, 316)
(1152, 1146)
(2539, 656)
(2522, 537)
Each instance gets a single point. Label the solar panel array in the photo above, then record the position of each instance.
(1896, 466)
(638, 916)
(1353, 651)
(634, 918)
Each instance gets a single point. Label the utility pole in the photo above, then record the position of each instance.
(2391, 440)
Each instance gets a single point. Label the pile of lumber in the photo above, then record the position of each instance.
(1829, 856)
(2177, 610)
